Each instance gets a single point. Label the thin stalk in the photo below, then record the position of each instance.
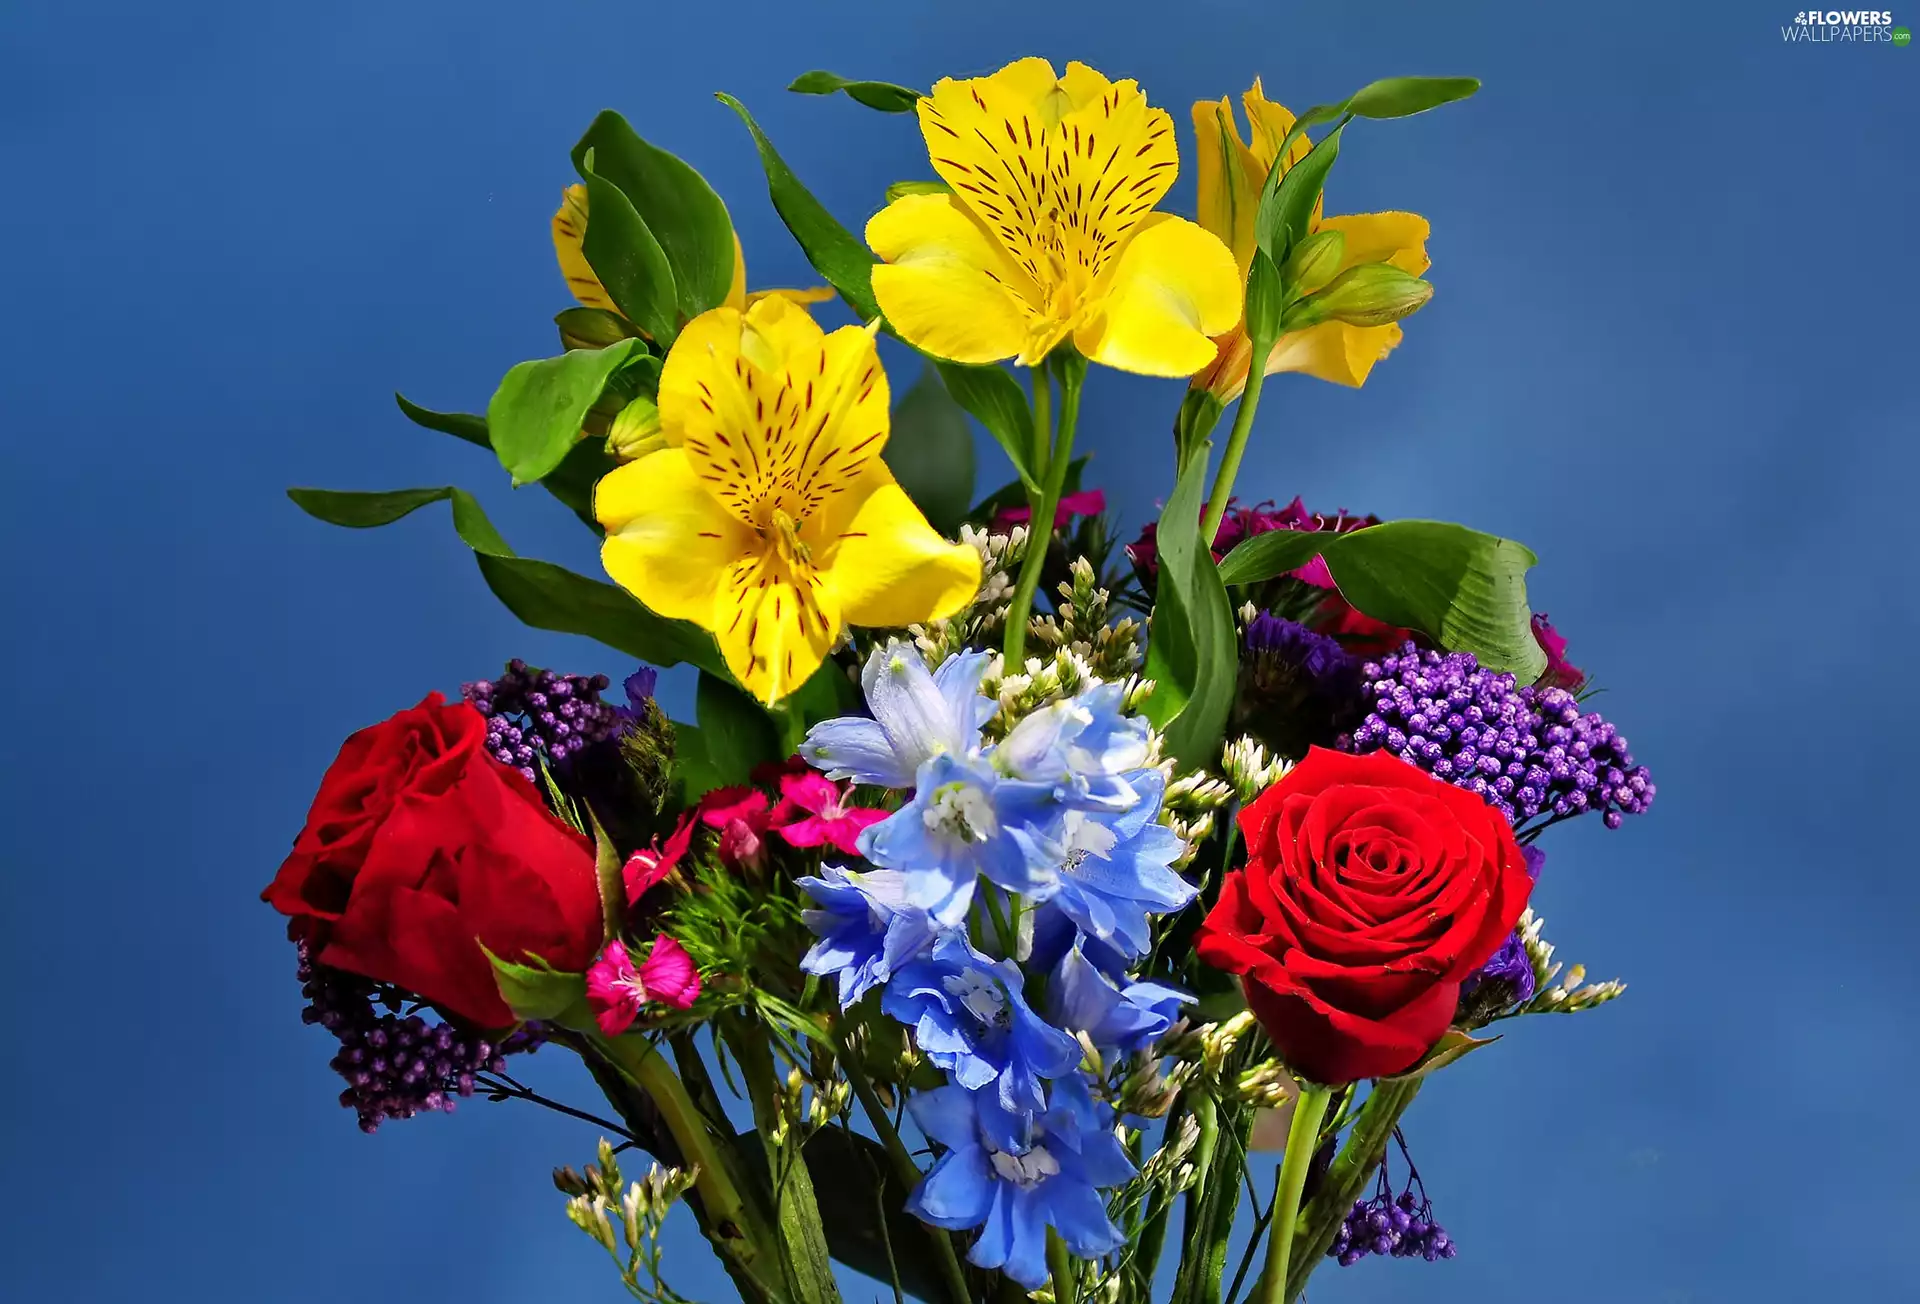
(1236, 443)
(908, 1171)
(735, 1225)
(1303, 1138)
(1206, 1112)
(1229, 1165)
(1153, 1233)
(1066, 1287)
(1042, 425)
(1040, 527)
(1351, 1170)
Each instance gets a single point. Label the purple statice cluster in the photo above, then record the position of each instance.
(1398, 1225)
(1297, 689)
(396, 1065)
(534, 714)
(1529, 751)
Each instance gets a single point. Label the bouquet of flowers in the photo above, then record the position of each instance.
(1011, 891)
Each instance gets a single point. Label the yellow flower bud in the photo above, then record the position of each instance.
(1371, 295)
(1315, 260)
(636, 431)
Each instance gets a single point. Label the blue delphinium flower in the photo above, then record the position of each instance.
(865, 926)
(970, 1018)
(1109, 873)
(917, 715)
(1114, 1013)
(964, 821)
(1083, 748)
(1013, 1194)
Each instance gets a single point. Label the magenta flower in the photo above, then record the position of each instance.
(828, 821)
(617, 992)
(1560, 672)
(1088, 502)
(649, 865)
(743, 817)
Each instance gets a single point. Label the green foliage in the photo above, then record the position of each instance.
(539, 593)
(738, 732)
(1465, 590)
(627, 259)
(930, 452)
(996, 400)
(884, 96)
(835, 253)
(461, 425)
(1266, 298)
(539, 991)
(678, 210)
(743, 930)
(534, 417)
(591, 328)
(1193, 652)
(1286, 202)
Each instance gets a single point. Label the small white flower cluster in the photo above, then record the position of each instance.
(1567, 996)
(1081, 625)
(1249, 769)
(642, 1209)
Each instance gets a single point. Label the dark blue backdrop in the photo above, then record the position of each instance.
(1670, 349)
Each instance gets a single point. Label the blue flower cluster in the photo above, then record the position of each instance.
(1004, 905)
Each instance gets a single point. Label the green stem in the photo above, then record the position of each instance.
(1236, 444)
(1303, 1138)
(1153, 1233)
(1066, 1287)
(905, 1168)
(734, 1225)
(1040, 527)
(1229, 1167)
(1351, 1171)
(1042, 425)
(1206, 1112)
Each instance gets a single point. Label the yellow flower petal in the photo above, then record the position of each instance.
(1271, 122)
(883, 564)
(812, 294)
(774, 414)
(668, 541)
(1334, 351)
(1173, 287)
(569, 237)
(1397, 238)
(737, 292)
(1229, 177)
(946, 286)
(774, 631)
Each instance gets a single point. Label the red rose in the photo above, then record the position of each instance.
(420, 849)
(1371, 891)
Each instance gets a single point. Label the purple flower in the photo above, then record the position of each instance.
(1529, 751)
(533, 714)
(1297, 689)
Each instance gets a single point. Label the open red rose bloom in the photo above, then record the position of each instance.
(1371, 891)
(421, 849)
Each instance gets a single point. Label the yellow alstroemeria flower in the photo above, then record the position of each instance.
(569, 238)
(770, 518)
(1049, 233)
(1231, 179)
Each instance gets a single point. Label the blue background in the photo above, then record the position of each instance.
(1670, 348)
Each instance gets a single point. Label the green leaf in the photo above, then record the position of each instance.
(627, 258)
(843, 260)
(884, 96)
(1199, 414)
(930, 452)
(534, 417)
(1266, 298)
(693, 770)
(460, 425)
(591, 328)
(552, 597)
(738, 732)
(901, 189)
(1192, 649)
(1454, 1045)
(539, 991)
(1402, 97)
(675, 203)
(573, 480)
(998, 403)
(607, 872)
(362, 511)
(541, 594)
(1465, 590)
(1286, 205)
(826, 694)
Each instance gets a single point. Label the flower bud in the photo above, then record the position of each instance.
(1370, 295)
(1314, 261)
(568, 1182)
(636, 431)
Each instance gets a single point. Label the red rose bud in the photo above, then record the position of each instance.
(421, 849)
(1371, 892)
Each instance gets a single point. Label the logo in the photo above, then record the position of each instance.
(1843, 26)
